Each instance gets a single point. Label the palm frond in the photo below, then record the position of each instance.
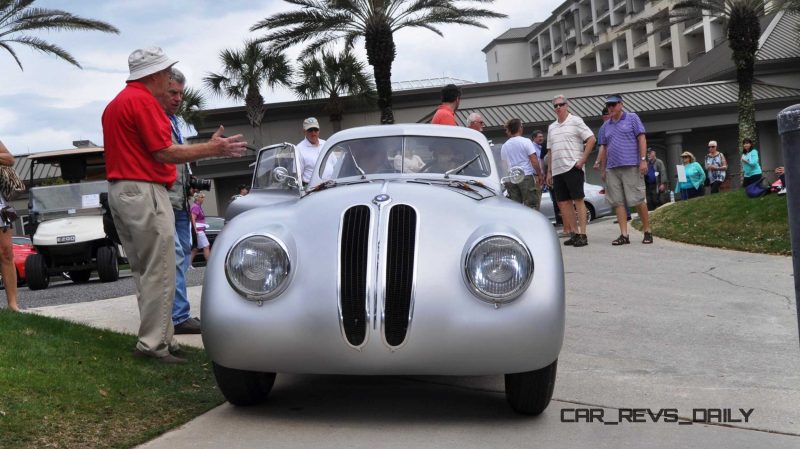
(12, 53)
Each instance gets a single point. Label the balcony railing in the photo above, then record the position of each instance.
(720, 40)
(692, 55)
(640, 42)
(665, 35)
(692, 22)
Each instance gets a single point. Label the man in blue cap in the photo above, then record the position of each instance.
(624, 144)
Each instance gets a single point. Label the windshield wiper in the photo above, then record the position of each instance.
(460, 168)
(363, 174)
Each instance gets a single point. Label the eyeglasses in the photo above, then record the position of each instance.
(611, 104)
(558, 105)
(312, 130)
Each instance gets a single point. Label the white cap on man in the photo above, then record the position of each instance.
(712, 143)
(147, 61)
(310, 123)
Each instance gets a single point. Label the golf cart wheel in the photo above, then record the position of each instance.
(530, 392)
(80, 276)
(36, 272)
(243, 388)
(107, 264)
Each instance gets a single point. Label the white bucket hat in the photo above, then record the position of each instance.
(147, 61)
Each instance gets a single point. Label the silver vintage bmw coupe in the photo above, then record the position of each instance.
(401, 257)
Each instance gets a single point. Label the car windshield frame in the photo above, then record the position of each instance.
(404, 156)
(271, 157)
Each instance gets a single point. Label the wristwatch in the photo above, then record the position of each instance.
(642, 158)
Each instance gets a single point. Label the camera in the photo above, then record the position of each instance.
(199, 183)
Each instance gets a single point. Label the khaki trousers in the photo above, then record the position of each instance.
(146, 225)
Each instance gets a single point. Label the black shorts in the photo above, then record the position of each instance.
(569, 186)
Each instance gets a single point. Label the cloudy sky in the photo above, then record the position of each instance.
(51, 103)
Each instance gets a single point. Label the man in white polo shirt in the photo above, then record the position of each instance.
(570, 142)
(308, 150)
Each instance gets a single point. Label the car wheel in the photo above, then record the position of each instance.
(36, 272)
(80, 276)
(590, 213)
(243, 388)
(107, 264)
(530, 392)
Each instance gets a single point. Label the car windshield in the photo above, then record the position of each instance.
(20, 240)
(214, 224)
(68, 199)
(404, 155)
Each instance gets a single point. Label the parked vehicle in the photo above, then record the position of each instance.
(23, 248)
(68, 222)
(595, 199)
(377, 270)
(213, 227)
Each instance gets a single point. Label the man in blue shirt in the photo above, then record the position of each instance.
(183, 322)
(623, 145)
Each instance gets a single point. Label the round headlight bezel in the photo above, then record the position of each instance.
(495, 298)
(254, 295)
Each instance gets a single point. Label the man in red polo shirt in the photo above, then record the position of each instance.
(446, 114)
(140, 166)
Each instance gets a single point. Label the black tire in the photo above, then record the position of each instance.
(80, 276)
(36, 272)
(590, 213)
(107, 264)
(243, 388)
(530, 392)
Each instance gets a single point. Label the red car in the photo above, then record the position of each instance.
(23, 247)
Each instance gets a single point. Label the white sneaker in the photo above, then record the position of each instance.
(782, 191)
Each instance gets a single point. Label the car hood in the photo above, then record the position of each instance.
(446, 216)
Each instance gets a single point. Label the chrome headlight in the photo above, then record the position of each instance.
(258, 267)
(498, 269)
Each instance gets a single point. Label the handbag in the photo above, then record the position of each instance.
(10, 184)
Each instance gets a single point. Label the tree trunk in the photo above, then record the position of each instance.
(254, 106)
(744, 31)
(381, 51)
(335, 111)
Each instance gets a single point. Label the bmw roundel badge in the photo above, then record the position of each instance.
(381, 199)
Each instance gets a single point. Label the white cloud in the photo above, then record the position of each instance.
(52, 103)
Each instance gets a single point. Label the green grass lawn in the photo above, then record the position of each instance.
(65, 385)
(727, 220)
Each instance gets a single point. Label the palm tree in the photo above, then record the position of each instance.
(192, 106)
(322, 22)
(245, 72)
(18, 17)
(333, 76)
(743, 30)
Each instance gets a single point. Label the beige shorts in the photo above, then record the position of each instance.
(624, 186)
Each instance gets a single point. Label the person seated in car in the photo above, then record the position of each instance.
(444, 158)
(371, 156)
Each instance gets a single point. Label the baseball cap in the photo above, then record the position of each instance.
(309, 123)
(712, 143)
(616, 98)
(147, 61)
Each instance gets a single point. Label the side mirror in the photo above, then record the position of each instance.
(281, 176)
(515, 176)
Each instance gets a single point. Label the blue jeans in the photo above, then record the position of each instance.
(183, 251)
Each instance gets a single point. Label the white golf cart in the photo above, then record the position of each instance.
(68, 222)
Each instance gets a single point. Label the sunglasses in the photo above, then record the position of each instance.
(612, 103)
(558, 105)
(712, 146)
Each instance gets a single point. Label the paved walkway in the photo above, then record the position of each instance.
(665, 326)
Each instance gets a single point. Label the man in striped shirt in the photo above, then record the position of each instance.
(570, 143)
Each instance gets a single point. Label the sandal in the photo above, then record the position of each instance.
(621, 240)
(648, 238)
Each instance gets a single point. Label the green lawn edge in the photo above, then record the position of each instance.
(67, 385)
(727, 220)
